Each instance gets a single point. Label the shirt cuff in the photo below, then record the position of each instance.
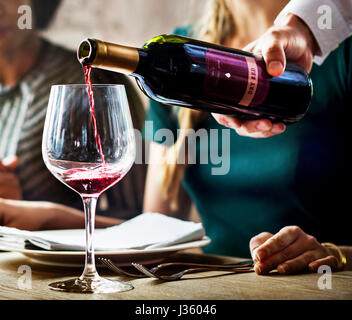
(312, 13)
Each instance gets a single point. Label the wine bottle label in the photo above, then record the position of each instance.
(236, 78)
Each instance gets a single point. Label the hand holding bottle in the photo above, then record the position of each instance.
(176, 70)
(290, 40)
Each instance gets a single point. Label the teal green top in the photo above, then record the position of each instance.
(295, 178)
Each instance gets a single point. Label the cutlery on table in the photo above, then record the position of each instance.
(178, 275)
(108, 263)
(243, 266)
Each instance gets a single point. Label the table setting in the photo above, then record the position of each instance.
(159, 256)
(147, 238)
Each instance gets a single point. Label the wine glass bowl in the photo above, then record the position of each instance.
(89, 146)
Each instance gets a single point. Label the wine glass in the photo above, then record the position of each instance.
(89, 145)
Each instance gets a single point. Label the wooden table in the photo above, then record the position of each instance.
(202, 286)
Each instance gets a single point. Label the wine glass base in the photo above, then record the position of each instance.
(91, 285)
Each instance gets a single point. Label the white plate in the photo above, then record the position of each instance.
(121, 257)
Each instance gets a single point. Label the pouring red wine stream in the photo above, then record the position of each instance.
(87, 75)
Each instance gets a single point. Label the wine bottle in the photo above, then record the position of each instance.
(181, 71)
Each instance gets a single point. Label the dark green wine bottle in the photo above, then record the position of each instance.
(176, 70)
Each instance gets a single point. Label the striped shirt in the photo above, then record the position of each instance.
(22, 115)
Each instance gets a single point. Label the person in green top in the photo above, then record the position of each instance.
(283, 196)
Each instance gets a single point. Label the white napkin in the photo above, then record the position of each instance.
(146, 231)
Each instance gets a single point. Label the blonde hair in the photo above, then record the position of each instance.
(215, 25)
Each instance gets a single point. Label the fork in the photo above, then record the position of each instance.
(242, 264)
(152, 272)
(108, 263)
(178, 275)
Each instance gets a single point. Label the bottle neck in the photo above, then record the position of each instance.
(108, 56)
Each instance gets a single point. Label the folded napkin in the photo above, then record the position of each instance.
(146, 231)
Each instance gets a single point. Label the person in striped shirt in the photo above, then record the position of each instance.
(29, 65)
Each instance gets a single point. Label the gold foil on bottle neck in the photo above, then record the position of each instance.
(114, 57)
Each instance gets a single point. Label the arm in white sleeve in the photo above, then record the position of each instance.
(330, 21)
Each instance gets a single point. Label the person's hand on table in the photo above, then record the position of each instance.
(9, 183)
(26, 215)
(291, 250)
(291, 40)
(44, 215)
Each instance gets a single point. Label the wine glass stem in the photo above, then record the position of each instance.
(89, 204)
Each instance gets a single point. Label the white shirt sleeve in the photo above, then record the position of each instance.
(330, 21)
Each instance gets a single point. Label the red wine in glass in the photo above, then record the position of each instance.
(91, 182)
(69, 151)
